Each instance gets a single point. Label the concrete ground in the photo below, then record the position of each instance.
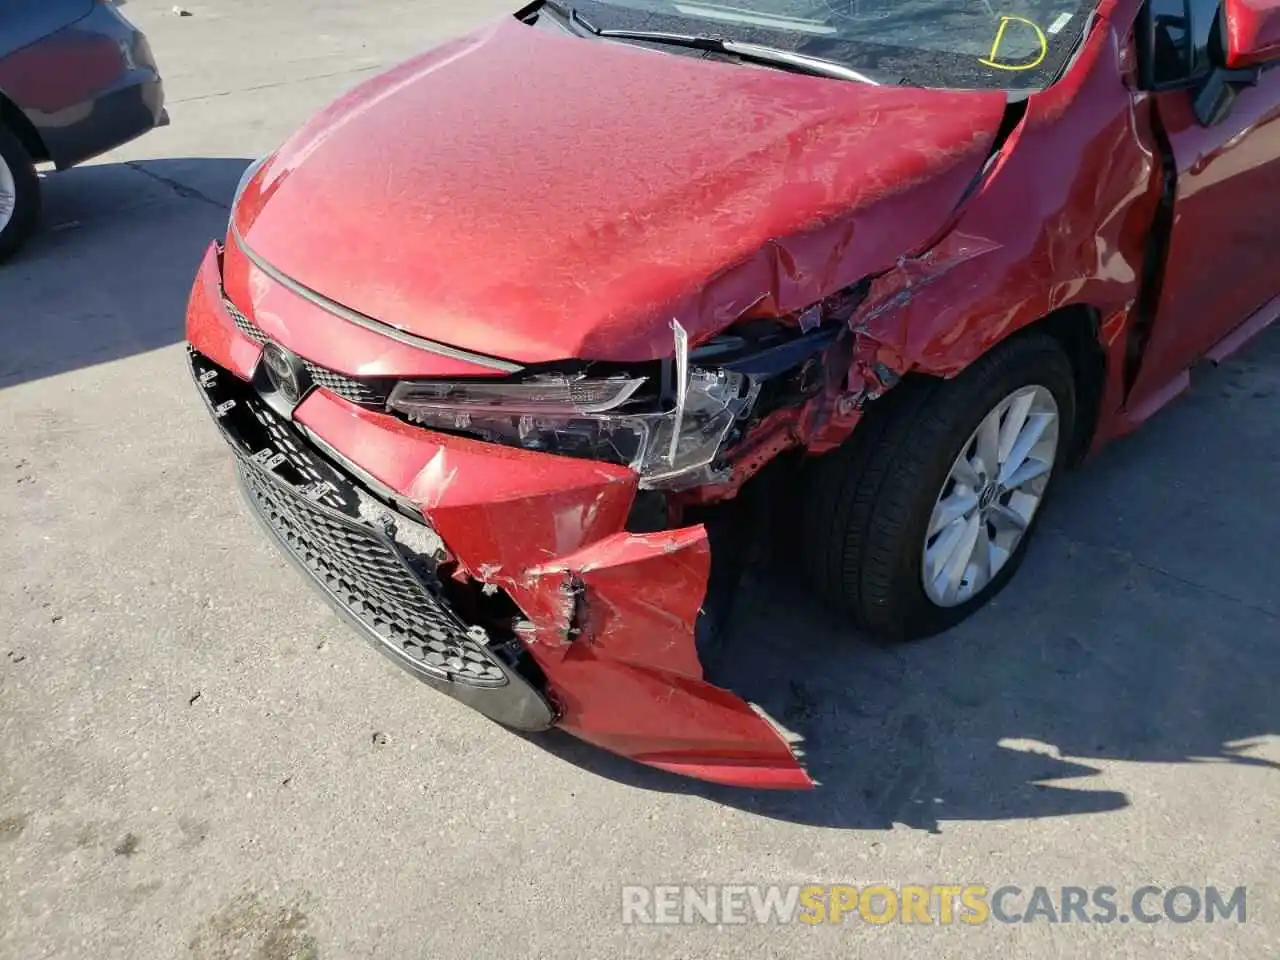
(197, 758)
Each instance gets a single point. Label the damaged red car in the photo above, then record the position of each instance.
(518, 344)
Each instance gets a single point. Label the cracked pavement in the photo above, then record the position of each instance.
(198, 759)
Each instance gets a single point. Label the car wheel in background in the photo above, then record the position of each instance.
(925, 514)
(19, 194)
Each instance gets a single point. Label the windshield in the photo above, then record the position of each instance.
(1000, 44)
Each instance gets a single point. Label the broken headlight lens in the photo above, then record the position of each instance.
(595, 418)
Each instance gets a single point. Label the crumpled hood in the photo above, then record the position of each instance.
(538, 197)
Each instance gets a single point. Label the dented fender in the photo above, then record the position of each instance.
(1060, 218)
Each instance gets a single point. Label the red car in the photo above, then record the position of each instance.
(519, 344)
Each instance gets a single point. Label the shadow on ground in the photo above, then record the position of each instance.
(1143, 627)
(108, 273)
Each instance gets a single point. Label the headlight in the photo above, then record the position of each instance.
(605, 418)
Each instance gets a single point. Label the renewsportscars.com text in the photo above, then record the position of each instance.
(942, 904)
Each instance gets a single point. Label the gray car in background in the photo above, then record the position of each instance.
(76, 80)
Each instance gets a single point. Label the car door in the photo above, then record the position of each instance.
(1225, 232)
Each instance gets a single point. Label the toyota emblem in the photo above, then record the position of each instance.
(285, 371)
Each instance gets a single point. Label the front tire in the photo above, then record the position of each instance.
(19, 194)
(925, 514)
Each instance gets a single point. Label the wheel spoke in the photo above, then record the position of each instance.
(1008, 519)
(952, 508)
(1028, 436)
(965, 473)
(942, 549)
(980, 570)
(989, 443)
(997, 555)
(994, 488)
(1011, 429)
(8, 195)
(1029, 470)
(953, 572)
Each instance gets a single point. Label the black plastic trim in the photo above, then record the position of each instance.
(514, 701)
(514, 704)
(1160, 237)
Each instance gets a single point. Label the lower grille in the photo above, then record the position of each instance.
(377, 565)
(365, 572)
(284, 445)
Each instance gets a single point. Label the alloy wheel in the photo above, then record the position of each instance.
(8, 194)
(990, 496)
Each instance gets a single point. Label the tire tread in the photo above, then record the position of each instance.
(26, 213)
(863, 499)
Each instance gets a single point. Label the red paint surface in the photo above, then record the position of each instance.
(1221, 265)
(462, 197)
(324, 338)
(547, 226)
(1060, 219)
(1253, 32)
(631, 682)
(209, 326)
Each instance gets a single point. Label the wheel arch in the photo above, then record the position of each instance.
(1077, 329)
(18, 122)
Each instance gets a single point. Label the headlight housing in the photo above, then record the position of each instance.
(671, 444)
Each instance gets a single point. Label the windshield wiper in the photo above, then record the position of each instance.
(570, 15)
(815, 66)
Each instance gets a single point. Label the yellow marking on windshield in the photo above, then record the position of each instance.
(991, 61)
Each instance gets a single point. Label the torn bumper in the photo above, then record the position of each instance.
(602, 643)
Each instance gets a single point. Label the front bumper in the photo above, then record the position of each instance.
(603, 641)
(376, 567)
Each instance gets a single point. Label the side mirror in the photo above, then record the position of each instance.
(1178, 43)
(1211, 48)
(1253, 32)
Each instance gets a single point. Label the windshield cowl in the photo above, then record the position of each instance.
(958, 44)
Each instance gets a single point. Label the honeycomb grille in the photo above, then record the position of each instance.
(363, 392)
(285, 446)
(244, 324)
(364, 572)
(357, 391)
